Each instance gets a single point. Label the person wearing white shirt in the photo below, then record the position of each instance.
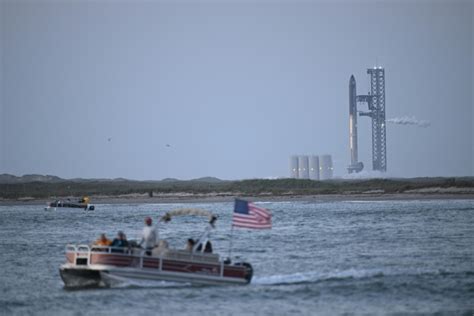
(149, 236)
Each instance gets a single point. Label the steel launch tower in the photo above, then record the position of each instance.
(376, 103)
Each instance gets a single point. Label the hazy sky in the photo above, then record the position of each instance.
(149, 90)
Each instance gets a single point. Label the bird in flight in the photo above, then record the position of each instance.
(168, 145)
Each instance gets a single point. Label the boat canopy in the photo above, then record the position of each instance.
(188, 212)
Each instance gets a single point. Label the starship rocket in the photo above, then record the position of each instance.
(355, 165)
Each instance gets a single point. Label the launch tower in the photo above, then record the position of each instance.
(376, 103)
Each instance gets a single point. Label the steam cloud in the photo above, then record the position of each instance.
(405, 120)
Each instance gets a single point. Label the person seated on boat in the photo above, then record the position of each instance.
(149, 236)
(190, 244)
(84, 200)
(102, 241)
(161, 249)
(207, 247)
(119, 242)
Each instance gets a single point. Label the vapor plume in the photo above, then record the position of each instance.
(405, 120)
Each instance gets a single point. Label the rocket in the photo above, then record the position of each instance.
(353, 120)
(355, 165)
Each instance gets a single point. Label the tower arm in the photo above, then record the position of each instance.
(370, 114)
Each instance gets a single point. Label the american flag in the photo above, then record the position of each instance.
(249, 215)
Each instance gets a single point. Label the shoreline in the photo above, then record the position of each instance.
(134, 199)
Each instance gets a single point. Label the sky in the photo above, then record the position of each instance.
(230, 89)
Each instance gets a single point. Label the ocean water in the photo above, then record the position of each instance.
(320, 258)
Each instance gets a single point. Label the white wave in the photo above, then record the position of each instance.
(406, 120)
(312, 276)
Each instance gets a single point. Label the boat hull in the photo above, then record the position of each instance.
(76, 277)
(84, 206)
(108, 276)
(99, 267)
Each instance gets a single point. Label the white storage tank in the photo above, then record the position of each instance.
(303, 172)
(325, 167)
(294, 167)
(314, 167)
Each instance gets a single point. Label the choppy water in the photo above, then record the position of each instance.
(384, 257)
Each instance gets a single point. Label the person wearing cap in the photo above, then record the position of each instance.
(149, 236)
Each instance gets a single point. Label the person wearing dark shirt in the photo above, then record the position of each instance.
(207, 247)
(119, 242)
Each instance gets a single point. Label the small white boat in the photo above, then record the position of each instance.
(82, 204)
(99, 266)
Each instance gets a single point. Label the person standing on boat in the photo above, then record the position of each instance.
(149, 236)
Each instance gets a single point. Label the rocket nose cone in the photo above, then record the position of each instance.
(352, 82)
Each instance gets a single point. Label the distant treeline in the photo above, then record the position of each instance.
(42, 190)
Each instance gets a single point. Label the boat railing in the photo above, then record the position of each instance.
(82, 250)
(82, 254)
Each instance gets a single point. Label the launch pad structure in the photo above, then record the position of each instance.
(375, 101)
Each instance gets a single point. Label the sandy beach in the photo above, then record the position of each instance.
(210, 198)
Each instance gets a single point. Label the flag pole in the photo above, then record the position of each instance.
(230, 242)
(231, 233)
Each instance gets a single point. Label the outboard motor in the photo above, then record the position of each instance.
(248, 270)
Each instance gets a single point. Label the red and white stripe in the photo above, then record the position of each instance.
(258, 217)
